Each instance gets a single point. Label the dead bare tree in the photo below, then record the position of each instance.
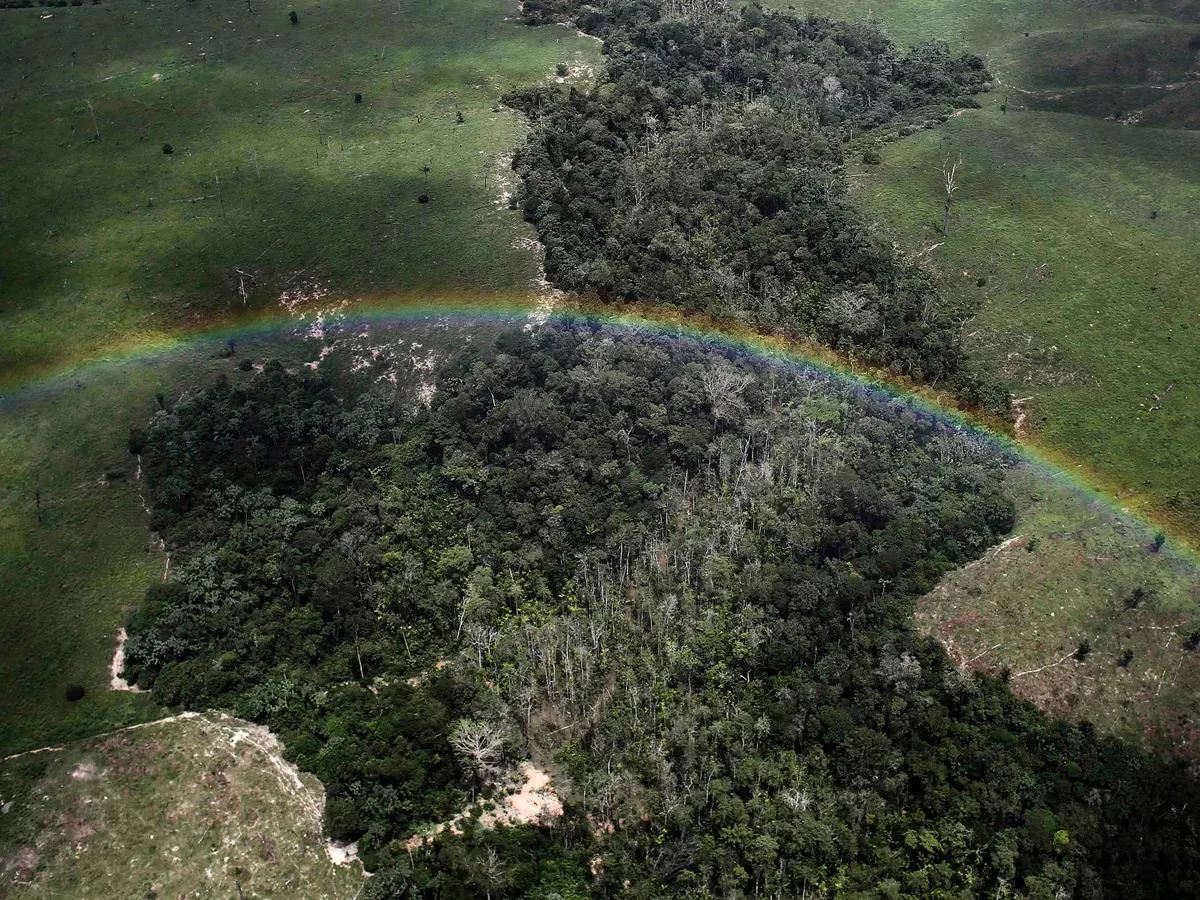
(479, 744)
(950, 172)
(91, 108)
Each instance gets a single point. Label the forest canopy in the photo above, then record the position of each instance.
(681, 579)
(705, 170)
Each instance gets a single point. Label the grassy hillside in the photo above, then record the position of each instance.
(1078, 235)
(1072, 574)
(277, 180)
(93, 819)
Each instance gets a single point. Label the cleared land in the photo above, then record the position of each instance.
(277, 177)
(92, 820)
(1074, 575)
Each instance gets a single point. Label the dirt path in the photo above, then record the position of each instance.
(116, 682)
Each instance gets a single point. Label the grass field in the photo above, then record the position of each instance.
(93, 820)
(1085, 232)
(278, 179)
(1071, 572)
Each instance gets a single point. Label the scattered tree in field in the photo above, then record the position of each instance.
(950, 173)
(167, 149)
(91, 108)
(1083, 651)
(1125, 659)
(358, 97)
(293, 17)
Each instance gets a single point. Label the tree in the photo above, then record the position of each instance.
(479, 744)
(91, 108)
(950, 185)
(293, 18)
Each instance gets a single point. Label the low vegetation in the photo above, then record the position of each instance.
(1075, 572)
(186, 807)
(277, 180)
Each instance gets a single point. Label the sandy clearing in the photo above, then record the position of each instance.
(530, 800)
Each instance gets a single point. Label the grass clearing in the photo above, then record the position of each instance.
(195, 806)
(1074, 572)
(277, 178)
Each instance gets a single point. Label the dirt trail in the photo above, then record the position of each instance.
(116, 681)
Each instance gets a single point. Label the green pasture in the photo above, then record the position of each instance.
(278, 180)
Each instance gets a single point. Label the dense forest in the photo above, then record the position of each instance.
(705, 170)
(681, 580)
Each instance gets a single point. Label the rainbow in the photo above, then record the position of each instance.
(803, 358)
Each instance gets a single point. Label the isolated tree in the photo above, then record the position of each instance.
(950, 171)
(293, 18)
(91, 108)
(478, 744)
